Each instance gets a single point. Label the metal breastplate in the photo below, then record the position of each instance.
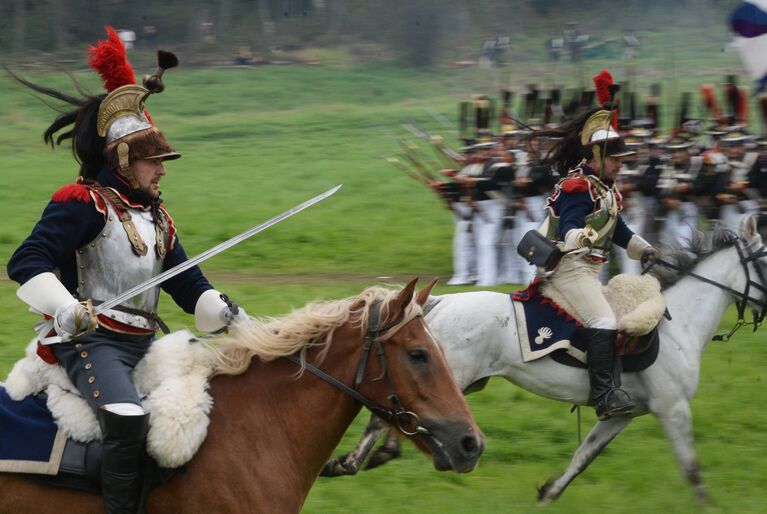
(108, 266)
(603, 219)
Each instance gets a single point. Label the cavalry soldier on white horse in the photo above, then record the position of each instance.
(96, 239)
(583, 217)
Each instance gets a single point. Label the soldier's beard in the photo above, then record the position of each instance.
(142, 197)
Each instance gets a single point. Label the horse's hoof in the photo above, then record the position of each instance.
(382, 456)
(336, 468)
(329, 469)
(544, 497)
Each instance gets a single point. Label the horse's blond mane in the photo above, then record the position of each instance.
(312, 325)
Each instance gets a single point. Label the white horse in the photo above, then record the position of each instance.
(478, 334)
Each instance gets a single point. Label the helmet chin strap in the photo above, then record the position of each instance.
(123, 151)
(598, 159)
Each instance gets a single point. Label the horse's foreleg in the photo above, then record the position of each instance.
(677, 423)
(599, 437)
(350, 463)
(386, 452)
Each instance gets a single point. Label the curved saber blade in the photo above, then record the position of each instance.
(165, 275)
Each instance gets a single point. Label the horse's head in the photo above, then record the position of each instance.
(420, 388)
(753, 257)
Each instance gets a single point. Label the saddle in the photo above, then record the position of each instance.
(636, 301)
(173, 382)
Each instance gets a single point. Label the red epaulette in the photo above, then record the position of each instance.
(72, 192)
(576, 184)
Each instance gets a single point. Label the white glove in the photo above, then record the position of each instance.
(233, 314)
(580, 238)
(215, 312)
(72, 320)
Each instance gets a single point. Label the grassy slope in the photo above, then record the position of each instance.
(258, 141)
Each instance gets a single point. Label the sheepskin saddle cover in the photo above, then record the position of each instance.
(172, 381)
(636, 301)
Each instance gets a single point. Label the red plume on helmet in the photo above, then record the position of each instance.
(110, 60)
(602, 82)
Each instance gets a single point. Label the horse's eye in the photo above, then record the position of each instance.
(418, 356)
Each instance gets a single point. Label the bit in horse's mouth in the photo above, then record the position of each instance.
(468, 449)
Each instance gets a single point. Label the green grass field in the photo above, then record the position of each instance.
(256, 142)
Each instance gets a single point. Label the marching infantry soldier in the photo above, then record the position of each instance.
(532, 184)
(757, 177)
(464, 252)
(98, 238)
(487, 181)
(583, 217)
(634, 205)
(678, 210)
(739, 197)
(499, 186)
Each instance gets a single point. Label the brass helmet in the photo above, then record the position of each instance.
(122, 120)
(598, 137)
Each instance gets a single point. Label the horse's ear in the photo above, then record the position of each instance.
(748, 226)
(424, 293)
(404, 297)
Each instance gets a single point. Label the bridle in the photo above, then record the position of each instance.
(746, 257)
(400, 417)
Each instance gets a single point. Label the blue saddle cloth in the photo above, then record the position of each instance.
(544, 327)
(30, 441)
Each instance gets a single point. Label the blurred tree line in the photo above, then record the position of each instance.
(416, 32)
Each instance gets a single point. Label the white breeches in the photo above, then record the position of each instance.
(463, 245)
(488, 225)
(576, 279)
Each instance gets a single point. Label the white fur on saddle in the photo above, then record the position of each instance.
(172, 380)
(636, 301)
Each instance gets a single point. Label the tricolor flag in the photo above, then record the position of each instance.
(749, 23)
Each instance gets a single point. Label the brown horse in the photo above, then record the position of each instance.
(273, 427)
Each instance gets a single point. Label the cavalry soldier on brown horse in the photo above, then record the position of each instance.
(99, 237)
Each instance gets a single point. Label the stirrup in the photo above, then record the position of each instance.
(614, 403)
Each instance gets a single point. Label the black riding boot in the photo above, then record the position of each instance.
(609, 401)
(122, 467)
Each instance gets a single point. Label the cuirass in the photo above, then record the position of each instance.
(108, 266)
(603, 220)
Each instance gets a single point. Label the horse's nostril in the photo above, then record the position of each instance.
(469, 444)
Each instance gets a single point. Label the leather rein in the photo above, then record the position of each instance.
(743, 298)
(399, 417)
